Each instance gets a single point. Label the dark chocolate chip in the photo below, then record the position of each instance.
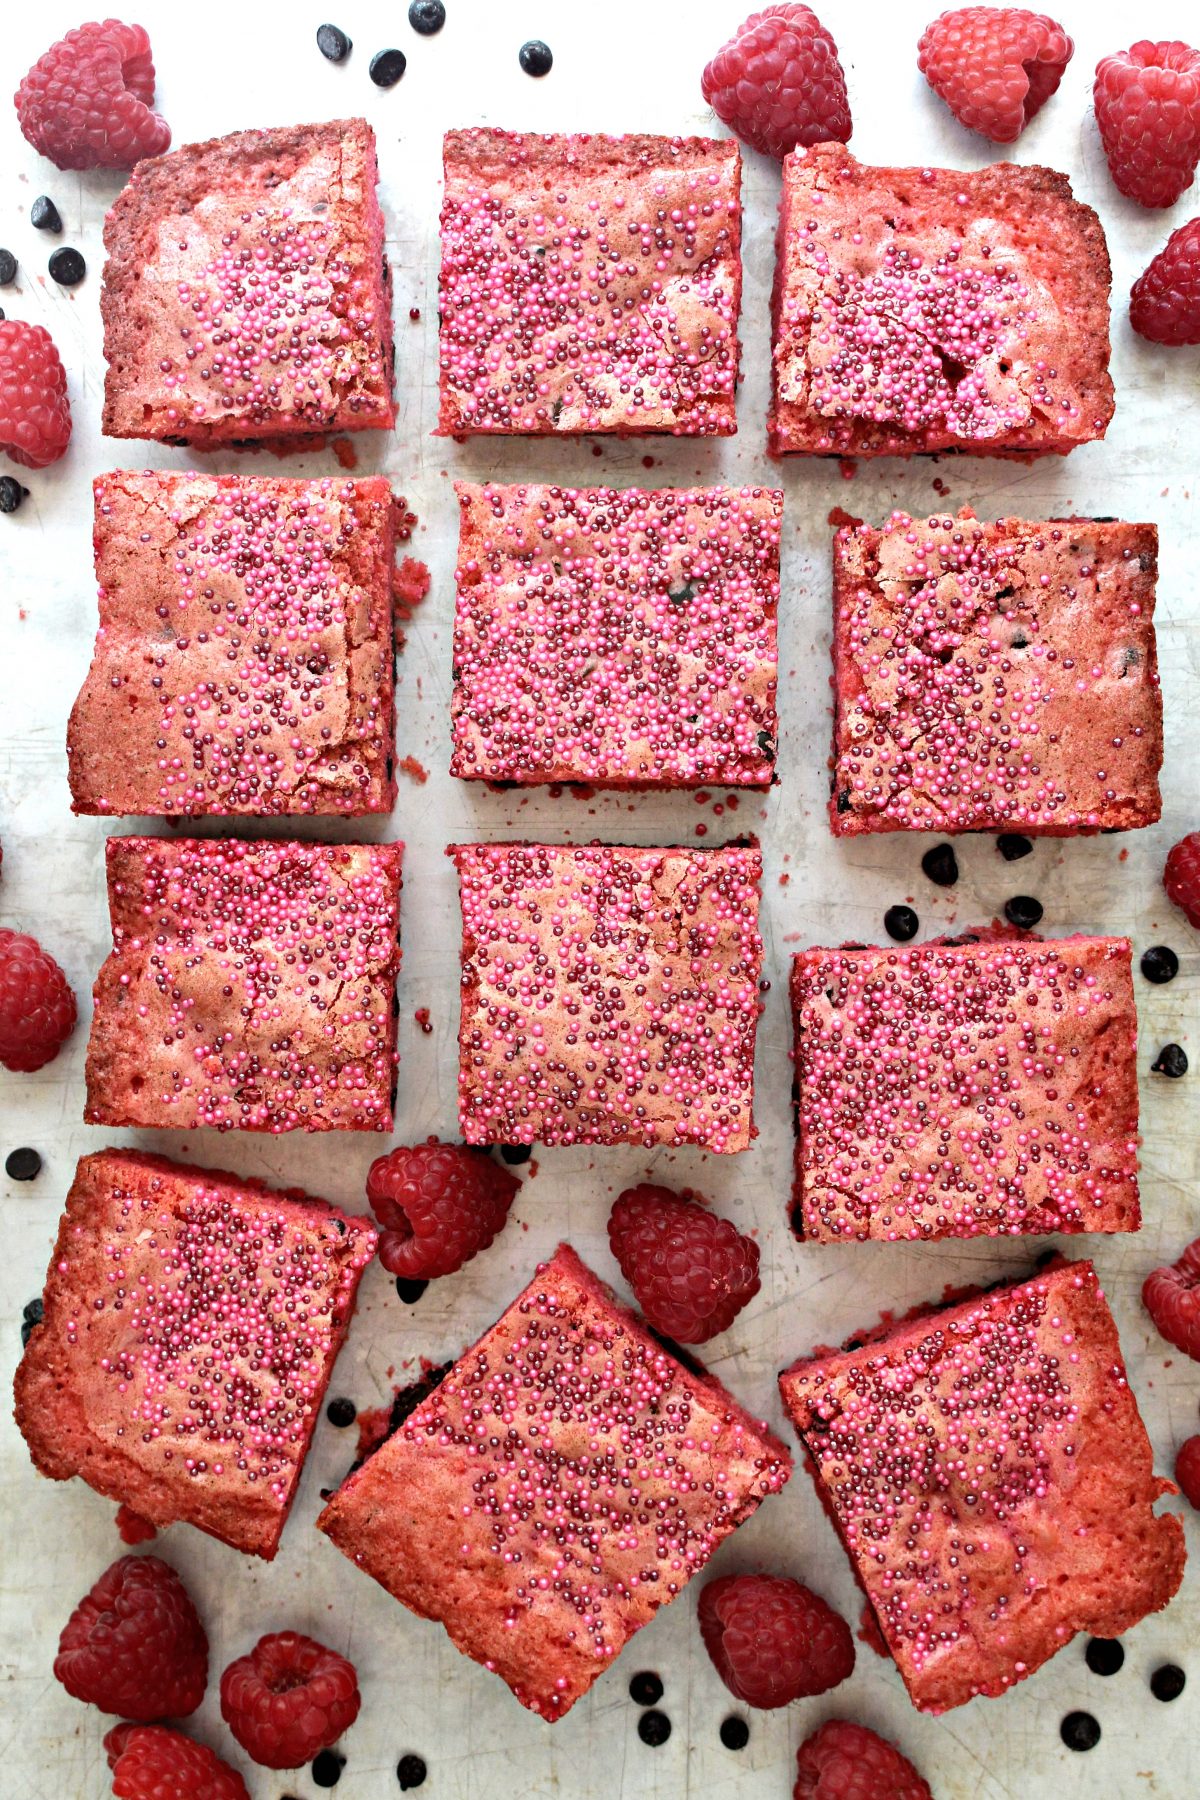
(1160, 964)
(654, 1728)
(327, 1768)
(333, 43)
(1023, 911)
(516, 1153)
(67, 267)
(341, 1413)
(536, 59)
(1012, 846)
(901, 923)
(1079, 1731)
(427, 16)
(941, 865)
(1171, 1060)
(387, 66)
(735, 1733)
(31, 1315)
(410, 1291)
(1105, 1655)
(11, 491)
(23, 1165)
(411, 1771)
(843, 800)
(1168, 1682)
(44, 215)
(8, 268)
(646, 1688)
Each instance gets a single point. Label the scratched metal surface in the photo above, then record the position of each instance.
(225, 67)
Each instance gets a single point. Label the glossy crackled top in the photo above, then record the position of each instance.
(589, 283)
(243, 662)
(995, 676)
(616, 636)
(249, 986)
(610, 994)
(567, 1478)
(957, 1090)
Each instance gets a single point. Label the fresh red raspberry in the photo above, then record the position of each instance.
(778, 82)
(135, 1644)
(288, 1699)
(439, 1205)
(149, 1762)
(994, 66)
(86, 104)
(1181, 876)
(35, 413)
(1187, 1470)
(692, 1272)
(1164, 302)
(37, 1007)
(1147, 103)
(844, 1761)
(1171, 1296)
(773, 1641)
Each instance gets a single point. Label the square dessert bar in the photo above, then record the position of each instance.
(589, 283)
(562, 1481)
(1051, 624)
(191, 1323)
(609, 994)
(246, 295)
(250, 987)
(978, 1087)
(623, 638)
(936, 309)
(988, 1472)
(243, 662)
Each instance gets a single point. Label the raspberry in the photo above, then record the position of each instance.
(692, 1272)
(35, 414)
(843, 1761)
(439, 1205)
(135, 1644)
(1187, 1470)
(995, 67)
(1171, 1296)
(149, 1762)
(288, 1699)
(86, 103)
(1164, 301)
(1181, 876)
(37, 1007)
(773, 1641)
(1147, 103)
(778, 82)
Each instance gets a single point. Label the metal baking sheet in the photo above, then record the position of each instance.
(226, 67)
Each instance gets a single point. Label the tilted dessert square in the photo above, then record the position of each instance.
(609, 994)
(243, 662)
(982, 1086)
(250, 987)
(995, 676)
(936, 309)
(191, 1323)
(589, 283)
(246, 295)
(562, 1481)
(622, 638)
(988, 1472)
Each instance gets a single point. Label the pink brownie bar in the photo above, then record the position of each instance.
(966, 1088)
(936, 309)
(563, 1481)
(589, 283)
(990, 1477)
(995, 676)
(609, 994)
(246, 295)
(251, 987)
(191, 1323)
(623, 638)
(243, 662)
